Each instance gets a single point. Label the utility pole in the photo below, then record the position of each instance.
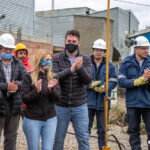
(53, 2)
(53, 7)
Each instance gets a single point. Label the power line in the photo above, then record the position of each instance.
(132, 3)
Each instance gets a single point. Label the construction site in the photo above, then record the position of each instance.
(119, 27)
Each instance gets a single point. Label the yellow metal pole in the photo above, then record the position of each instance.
(107, 76)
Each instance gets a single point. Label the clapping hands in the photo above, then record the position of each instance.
(146, 74)
(77, 64)
(12, 86)
(52, 83)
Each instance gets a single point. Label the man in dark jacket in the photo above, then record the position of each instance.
(74, 72)
(96, 89)
(133, 77)
(12, 72)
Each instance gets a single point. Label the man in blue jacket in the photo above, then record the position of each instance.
(96, 89)
(132, 77)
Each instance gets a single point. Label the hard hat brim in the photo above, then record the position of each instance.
(148, 45)
(8, 46)
(99, 47)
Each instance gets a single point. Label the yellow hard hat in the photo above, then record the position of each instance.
(20, 46)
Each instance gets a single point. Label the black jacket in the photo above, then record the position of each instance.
(73, 85)
(148, 84)
(12, 101)
(39, 106)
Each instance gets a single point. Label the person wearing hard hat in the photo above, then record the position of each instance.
(21, 52)
(96, 89)
(133, 77)
(12, 72)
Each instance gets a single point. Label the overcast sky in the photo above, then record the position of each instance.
(141, 12)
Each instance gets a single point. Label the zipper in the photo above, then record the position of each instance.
(70, 92)
(70, 95)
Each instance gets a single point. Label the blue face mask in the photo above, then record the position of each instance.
(45, 64)
(6, 55)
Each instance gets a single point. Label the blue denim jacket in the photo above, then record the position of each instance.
(138, 97)
(96, 100)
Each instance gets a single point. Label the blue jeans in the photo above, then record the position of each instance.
(134, 119)
(79, 118)
(33, 129)
(100, 125)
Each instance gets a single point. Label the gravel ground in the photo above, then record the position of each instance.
(71, 143)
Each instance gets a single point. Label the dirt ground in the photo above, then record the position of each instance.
(71, 143)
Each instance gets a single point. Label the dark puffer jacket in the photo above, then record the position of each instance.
(73, 85)
(13, 101)
(39, 106)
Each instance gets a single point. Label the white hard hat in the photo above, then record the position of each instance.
(100, 44)
(141, 41)
(7, 40)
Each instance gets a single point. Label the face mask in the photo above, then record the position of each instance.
(45, 64)
(71, 47)
(6, 55)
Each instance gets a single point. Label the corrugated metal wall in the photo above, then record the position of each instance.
(48, 23)
(43, 26)
(54, 27)
(60, 26)
(18, 13)
(114, 16)
(64, 12)
(124, 27)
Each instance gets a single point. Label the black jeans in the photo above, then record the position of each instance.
(134, 119)
(100, 125)
(10, 124)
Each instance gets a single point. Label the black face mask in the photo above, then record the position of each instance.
(71, 47)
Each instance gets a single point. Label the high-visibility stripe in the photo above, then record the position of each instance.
(122, 76)
(113, 79)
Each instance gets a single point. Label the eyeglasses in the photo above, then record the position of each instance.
(99, 50)
(143, 48)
